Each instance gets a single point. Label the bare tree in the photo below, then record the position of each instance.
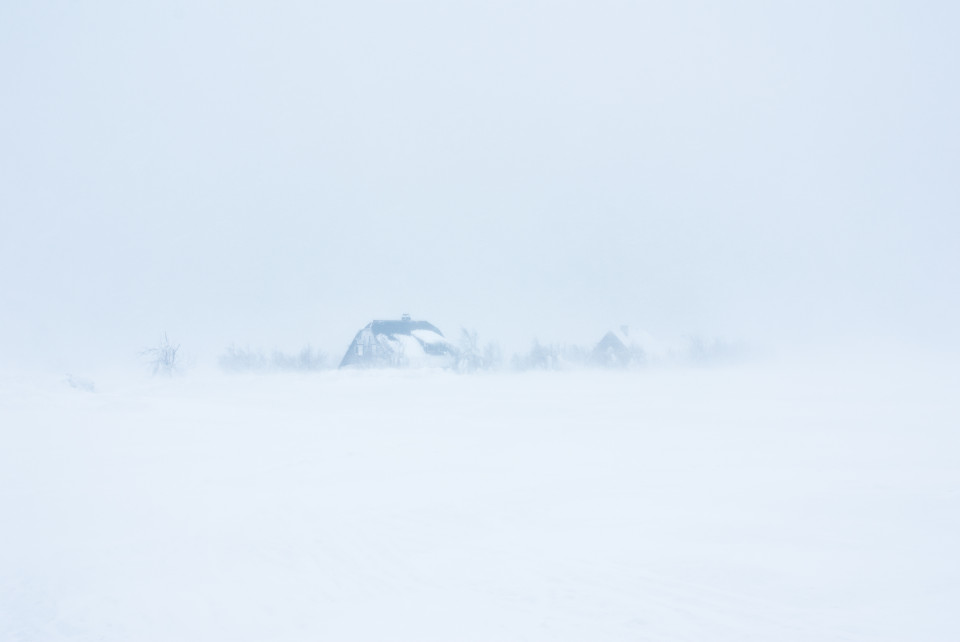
(550, 357)
(163, 358)
(469, 357)
(492, 357)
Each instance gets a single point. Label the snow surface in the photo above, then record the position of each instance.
(746, 503)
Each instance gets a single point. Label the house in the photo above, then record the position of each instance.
(403, 343)
(617, 350)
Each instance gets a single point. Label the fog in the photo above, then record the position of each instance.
(229, 192)
(276, 175)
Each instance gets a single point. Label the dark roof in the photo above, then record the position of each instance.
(403, 326)
(367, 350)
(611, 351)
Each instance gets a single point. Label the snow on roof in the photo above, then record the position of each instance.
(403, 342)
(429, 336)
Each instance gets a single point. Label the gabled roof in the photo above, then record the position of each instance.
(399, 343)
(402, 326)
(615, 349)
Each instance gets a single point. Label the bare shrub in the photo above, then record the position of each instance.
(162, 359)
(550, 357)
(247, 360)
(472, 358)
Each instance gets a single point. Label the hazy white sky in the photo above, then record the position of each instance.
(281, 173)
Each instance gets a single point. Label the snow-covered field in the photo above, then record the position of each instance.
(756, 502)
